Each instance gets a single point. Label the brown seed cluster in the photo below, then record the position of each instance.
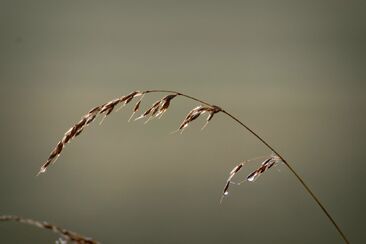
(265, 165)
(232, 173)
(157, 109)
(74, 131)
(65, 234)
(196, 112)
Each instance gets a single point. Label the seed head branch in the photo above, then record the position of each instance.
(65, 234)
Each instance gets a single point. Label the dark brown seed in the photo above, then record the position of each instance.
(96, 109)
(137, 106)
(57, 150)
(210, 116)
(109, 111)
(147, 112)
(194, 116)
(78, 133)
(267, 164)
(129, 99)
(271, 164)
(154, 110)
(110, 106)
(266, 161)
(129, 96)
(165, 102)
(90, 119)
(236, 169)
(189, 118)
(225, 192)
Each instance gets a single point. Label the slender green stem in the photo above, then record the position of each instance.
(315, 198)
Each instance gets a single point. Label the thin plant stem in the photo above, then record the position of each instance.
(311, 193)
(65, 235)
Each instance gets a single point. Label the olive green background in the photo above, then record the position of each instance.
(294, 71)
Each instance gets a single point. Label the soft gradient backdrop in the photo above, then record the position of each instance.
(294, 71)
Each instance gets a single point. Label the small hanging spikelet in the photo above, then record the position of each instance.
(232, 173)
(150, 110)
(92, 114)
(226, 188)
(192, 115)
(108, 107)
(267, 164)
(236, 169)
(74, 131)
(212, 112)
(158, 108)
(147, 112)
(136, 108)
(196, 112)
(126, 99)
(155, 109)
(165, 103)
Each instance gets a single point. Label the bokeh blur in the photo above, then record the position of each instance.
(294, 71)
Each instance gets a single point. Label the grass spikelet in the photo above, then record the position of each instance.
(149, 111)
(265, 165)
(191, 116)
(164, 104)
(152, 111)
(268, 163)
(232, 173)
(136, 108)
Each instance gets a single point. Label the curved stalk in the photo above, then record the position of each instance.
(63, 233)
(299, 178)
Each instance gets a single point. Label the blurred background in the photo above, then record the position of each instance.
(294, 71)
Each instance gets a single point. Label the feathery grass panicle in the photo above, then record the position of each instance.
(158, 109)
(65, 235)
